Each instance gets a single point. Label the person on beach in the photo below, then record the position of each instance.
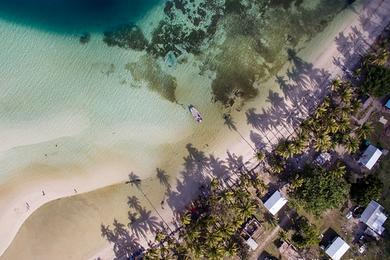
(43, 193)
(162, 204)
(27, 206)
(75, 191)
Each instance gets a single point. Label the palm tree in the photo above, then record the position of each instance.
(259, 185)
(260, 156)
(355, 105)
(335, 85)
(331, 125)
(364, 130)
(344, 125)
(186, 219)
(323, 143)
(352, 145)
(286, 149)
(247, 209)
(339, 171)
(215, 253)
(346, 95)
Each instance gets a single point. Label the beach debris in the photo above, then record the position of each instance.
(195, 113)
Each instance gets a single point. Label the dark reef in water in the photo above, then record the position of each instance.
(146, 69)
(85, 38)
(69, 16)
(126, 36)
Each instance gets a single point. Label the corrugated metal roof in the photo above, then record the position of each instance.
(374, 217)
(370, 156)
(337, 249)
(275, 203)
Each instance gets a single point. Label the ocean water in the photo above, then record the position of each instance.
(63, 103)
(72, 16)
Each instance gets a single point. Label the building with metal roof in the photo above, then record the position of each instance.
(275, 203)
(374, 217)
(370, 157)
(337, 249)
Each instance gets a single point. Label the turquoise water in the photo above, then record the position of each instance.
(69, 16)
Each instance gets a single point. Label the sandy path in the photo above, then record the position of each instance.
(14, 211)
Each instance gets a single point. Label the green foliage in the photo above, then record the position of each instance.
(276, 164)
(317, 189)
(210, 229)
(365, 130)
(367, 189)
(330, 124)
(260, 156)
(377, 80)
(306, 234)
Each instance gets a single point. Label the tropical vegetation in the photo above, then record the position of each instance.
(306, 233)
(317, 189)
(210, 226)
(367, 189)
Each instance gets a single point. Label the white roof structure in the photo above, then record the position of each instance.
(275, 203)
(323, 158)
(337, 249)
(251, 243)
(374, 217)
(370, 156)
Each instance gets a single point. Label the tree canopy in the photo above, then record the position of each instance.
(317, 189)
(377, 80)
(366, 189)
(306, 233)
(210, 227)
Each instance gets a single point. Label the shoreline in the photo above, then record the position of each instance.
(322, 60)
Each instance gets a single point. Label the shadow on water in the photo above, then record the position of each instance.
(69, 16)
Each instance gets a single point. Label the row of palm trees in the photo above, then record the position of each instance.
(210, 226)
(329, 126)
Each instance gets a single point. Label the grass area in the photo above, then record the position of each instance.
(378, 137)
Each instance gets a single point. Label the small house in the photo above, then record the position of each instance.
(370, 157)
(252, 231)
(374, 217)
(275, 203)
(337, 248)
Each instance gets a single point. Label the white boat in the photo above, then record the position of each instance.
(195, 113)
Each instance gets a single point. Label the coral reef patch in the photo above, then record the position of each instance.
(126, 36)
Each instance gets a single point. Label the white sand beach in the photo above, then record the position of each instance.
(64, 223)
